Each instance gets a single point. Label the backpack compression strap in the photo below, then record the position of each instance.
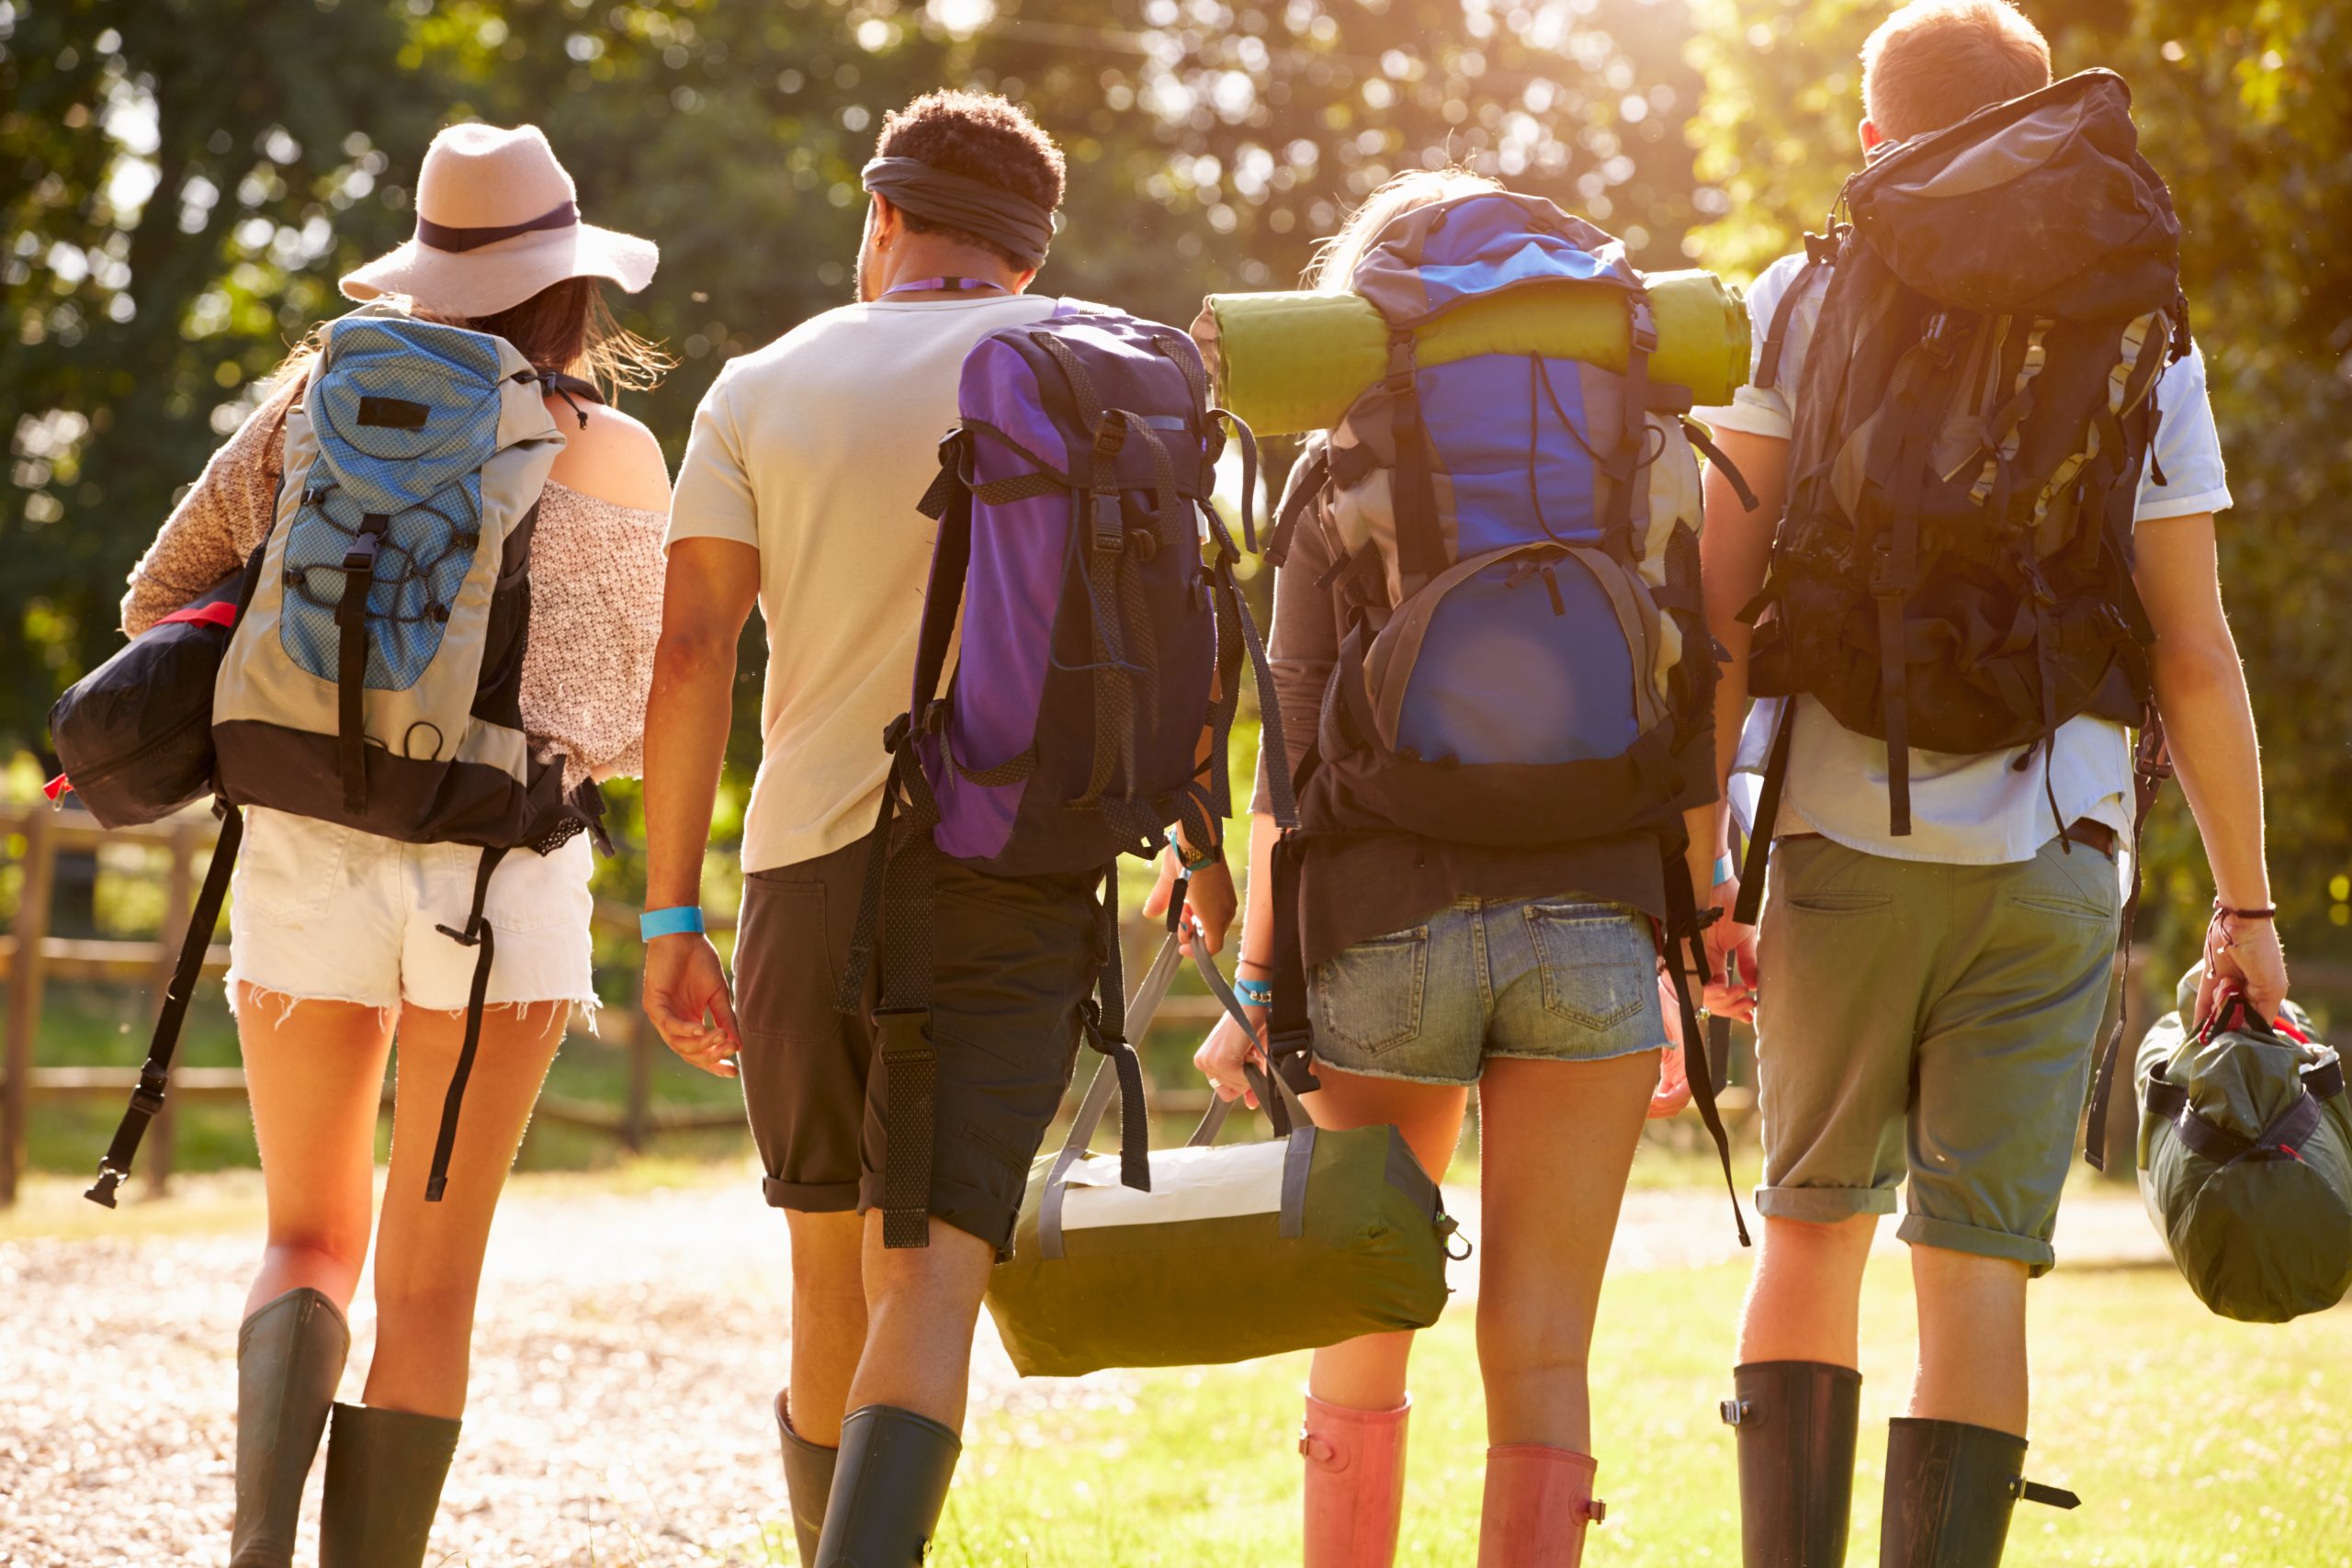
(156, 1075)
(476, 933)
(351, 664)
(2152, 766)
(1420, 545)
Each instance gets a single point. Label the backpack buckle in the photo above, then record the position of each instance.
(1645, 325)
(1886, 582)
(1110, 528)
(361, 556)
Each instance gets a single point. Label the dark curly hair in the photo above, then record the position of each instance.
(981, 137)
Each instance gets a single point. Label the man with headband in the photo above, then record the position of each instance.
(799, 491)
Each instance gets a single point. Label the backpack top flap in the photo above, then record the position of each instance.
(2039, 206)
(1434, 257)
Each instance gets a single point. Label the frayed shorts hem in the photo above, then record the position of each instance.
(1435, 1079)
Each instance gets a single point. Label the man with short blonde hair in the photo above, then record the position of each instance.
(1943, 924)
(1936, 63)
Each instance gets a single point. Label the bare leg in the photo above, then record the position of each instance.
(1557, 1141)
(314, 1074)
(1368, 1374)
(1972, 1339)
(1805, 1303)
(827, 1320)
(428, 1260)
(922, 1303)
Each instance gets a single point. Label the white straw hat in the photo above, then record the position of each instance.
(497, 220)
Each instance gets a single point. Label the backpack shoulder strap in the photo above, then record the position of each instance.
(1820, 255)
(156, 1075)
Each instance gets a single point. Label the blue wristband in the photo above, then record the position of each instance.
(682, 921)
(1254, 993)
(1725, 869)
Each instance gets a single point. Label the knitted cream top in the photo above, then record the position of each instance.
(597, 573)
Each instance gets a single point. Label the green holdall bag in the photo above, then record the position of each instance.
(1235, 1251)
(1295, 361)
(2245, 1159)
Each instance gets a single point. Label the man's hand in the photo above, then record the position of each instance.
(1227, 1048)
(1210, 901)
(685, 985)
(1731, 972)
(2243, 956)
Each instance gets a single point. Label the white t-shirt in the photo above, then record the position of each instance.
(814, 450)
(1965, 810)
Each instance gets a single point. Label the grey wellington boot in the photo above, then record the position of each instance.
(1951, 1488)
(385, 1468)
(289, 1357)
(807, 1482)
(889, 1484)
(1796, 1422)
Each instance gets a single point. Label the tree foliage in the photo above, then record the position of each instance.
(2244, 107)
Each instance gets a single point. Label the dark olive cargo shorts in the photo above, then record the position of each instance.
(1931, 1026)
(1015, 959)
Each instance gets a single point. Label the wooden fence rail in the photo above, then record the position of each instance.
(30, 956)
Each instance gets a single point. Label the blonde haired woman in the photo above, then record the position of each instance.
(1528, 971)
(334, 948)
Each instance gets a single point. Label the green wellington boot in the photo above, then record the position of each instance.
(1796, 1422)
(1951, 1488)
(807, 1482)
(384, 1473)
(289, 1357)
(889, 1484)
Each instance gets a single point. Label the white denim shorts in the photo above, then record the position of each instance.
(322, 913)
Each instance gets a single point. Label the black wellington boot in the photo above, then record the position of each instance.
(289, 1357)
(1796, 1422)
(807, 1482)
(889, 1484)
(1951, 1488)
(385, 1468)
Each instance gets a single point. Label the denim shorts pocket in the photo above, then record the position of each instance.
(1370, 994)
(1598, 967)
(289, 866)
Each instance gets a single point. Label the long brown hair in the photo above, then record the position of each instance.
(565, 329)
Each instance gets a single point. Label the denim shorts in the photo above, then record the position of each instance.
(1565, 980)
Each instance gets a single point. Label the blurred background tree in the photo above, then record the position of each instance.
(2245, 109)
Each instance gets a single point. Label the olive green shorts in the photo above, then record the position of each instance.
(1931, 1021)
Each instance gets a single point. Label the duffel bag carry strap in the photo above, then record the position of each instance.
(2168, 1101)
(156, 1075)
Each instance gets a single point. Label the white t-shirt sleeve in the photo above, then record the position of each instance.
(1764, 410)
(714, 497)
(2188, 448)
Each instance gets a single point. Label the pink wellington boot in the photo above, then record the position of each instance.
(1355, 1483)
(1539, 1500)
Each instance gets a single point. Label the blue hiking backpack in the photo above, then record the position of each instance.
(372, 668)
(1524, 658)
(1102, 631)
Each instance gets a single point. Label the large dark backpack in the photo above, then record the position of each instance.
(1955, 568)
(372, 664)
(1524, 658)
(1101, 636)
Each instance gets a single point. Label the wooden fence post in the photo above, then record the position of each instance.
(179, 904)
(24, 994)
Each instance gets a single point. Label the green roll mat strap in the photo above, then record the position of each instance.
(1293, 361)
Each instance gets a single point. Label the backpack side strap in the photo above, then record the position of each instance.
(155, 1075)
(2152, 766)
(479, 935)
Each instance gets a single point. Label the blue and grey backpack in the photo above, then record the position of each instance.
(372, 672)
(1524, 658)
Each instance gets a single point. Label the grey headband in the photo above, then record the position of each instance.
(935, 196)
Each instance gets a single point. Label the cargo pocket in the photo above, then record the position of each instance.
(1370, 996)
(1599, 968)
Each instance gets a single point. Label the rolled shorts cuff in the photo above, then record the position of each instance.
(1926, 1230)
(809, 1196)
(1823, 1205)
(968, 1209)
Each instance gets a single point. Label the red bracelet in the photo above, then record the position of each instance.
(2223, 911)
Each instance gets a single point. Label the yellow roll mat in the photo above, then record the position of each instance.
(1293, 361)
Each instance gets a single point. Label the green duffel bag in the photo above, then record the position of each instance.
(1235, 1251)
(2245, 1159)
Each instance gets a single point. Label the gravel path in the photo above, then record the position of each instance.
(625, 1351)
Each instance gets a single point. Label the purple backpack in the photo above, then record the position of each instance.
(1102, 632)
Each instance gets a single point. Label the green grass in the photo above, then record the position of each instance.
(2193, 1441)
